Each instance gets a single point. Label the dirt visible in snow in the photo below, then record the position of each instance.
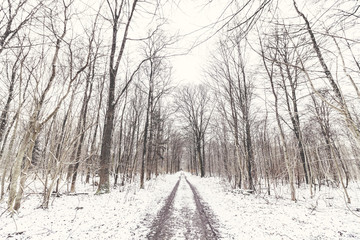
(118, 215)
(185, 215)
(162, 211)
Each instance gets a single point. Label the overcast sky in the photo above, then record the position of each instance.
(194, 22)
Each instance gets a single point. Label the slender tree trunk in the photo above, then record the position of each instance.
(10, 148)
(82, 126)
(145, 144)
(250, 154)
(340, 99)
(105, 154)
(289, 167)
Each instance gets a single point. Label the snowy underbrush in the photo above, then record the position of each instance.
(259, 216)
(125, 213)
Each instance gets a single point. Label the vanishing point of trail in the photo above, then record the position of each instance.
(184, 216)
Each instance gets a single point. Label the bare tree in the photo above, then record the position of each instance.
(289, 165)
(13, 17)
(119, 12)
(236, 87)
(193, 105)
(159, 75)
(36, 124)
(340, 99)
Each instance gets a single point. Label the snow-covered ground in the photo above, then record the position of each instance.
(181, 222)
(183, 217)
(128, 214)
(259, 216)
(118, 215)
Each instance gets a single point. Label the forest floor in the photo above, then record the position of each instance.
(182, 206)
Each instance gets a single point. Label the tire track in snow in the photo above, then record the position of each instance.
(163, 215)
(207, 217)
(184, 216)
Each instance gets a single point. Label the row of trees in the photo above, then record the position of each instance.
(284, 102)
(79, 100)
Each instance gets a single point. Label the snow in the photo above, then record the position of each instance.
(183, 220)
(259, 216)
(183, 210)
(118, 215)
(129, 213)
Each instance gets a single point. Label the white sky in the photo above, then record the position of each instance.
(197, 17)
(191, 19)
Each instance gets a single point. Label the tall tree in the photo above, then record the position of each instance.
(119, 11)
(343, 108)
(270, 70)
(36, 123)
(158, 73)
(193, 105)
(236, 88)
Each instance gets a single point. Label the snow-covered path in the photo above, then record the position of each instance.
(183, 206)
(183, 216)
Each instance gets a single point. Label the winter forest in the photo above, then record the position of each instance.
(179, 119)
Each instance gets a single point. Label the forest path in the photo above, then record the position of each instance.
(184, 216)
